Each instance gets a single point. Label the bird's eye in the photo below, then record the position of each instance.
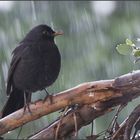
(44, 32)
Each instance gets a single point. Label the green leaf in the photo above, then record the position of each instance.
(124, 49)
(136, 52)
(129, 42)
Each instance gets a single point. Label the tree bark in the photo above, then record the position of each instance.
(95, 98)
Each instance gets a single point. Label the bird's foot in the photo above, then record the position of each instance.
(48, 96)
(26, 106)
(26, 103)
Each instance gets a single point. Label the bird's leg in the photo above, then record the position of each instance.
(48, 96)
(46, 92)
(27, 100)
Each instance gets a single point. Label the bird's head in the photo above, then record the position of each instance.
(42, 32)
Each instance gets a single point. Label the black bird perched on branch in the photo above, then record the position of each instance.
(35, 65)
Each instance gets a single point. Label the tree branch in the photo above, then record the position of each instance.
(100, 95)
(84, 115)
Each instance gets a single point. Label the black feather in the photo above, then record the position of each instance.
(35, 65)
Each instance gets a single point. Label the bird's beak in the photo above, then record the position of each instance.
(58, 33)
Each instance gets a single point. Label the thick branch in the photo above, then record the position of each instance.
(84, 94)
(132, 119)
(84, 116)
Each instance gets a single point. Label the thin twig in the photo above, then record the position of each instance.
(75, 123)
(58, 126)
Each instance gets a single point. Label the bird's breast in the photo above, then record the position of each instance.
(51, 62)
(37, 69)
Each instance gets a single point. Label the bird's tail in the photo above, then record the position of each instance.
(14, 102)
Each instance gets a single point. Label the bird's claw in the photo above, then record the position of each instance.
(48, 97)
(27, 106)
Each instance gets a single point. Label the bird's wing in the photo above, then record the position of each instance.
(17, 53)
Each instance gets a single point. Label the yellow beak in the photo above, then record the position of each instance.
(58, 33)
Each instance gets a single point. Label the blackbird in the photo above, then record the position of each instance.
(35, 65)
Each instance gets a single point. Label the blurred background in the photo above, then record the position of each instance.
(92, 29)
